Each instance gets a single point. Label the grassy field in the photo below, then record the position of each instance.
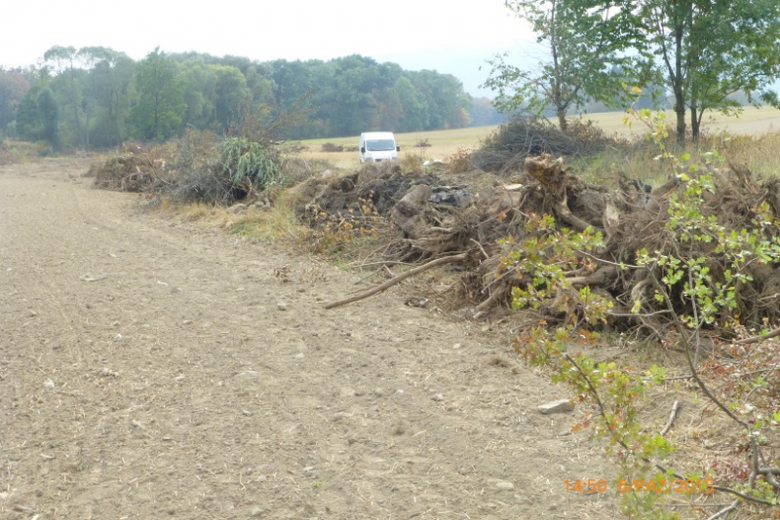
(752, 121)
(444, 143)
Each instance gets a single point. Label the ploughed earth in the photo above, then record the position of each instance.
(155, 369)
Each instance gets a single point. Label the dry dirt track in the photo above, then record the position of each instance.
(147, 372)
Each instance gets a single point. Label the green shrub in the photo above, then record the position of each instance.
(249, 165)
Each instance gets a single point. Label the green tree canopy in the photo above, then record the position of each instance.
(160, 106)
(702, 52)
(14, 84)
(109, 86)
(69, 85)
(104, 97)
(38, 116)
(232, 96)
(585, 44)
(706, 50)
(49, 114)
(413, 105)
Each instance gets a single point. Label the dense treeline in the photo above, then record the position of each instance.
(96, 97)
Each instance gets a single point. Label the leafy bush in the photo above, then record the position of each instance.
(205, 170)
(330, 147)
(14, 152)
(249, 165)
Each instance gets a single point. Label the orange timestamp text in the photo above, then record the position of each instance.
(678, 485)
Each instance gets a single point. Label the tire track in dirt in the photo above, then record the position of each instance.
(147, 372)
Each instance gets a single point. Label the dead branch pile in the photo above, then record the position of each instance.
(630, 218)
(505, 151)
(199, 167)
(380, 187)
(129, 172)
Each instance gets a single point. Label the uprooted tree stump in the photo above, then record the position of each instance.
(558, 185)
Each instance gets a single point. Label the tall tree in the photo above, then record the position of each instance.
(68, 83)
(38, 114)
(27, 117)
(14, 84)
(160, 107)
(232, 95)
(260, 87)
(49, 114)
(357, 94)
(110, 77)
(447, 103)
(293, 88)
(584, 42)
(199, 93)
(711, 49)
(413, 106)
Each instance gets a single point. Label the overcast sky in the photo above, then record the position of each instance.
(449, 36)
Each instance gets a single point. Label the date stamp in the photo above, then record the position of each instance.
(679, 485)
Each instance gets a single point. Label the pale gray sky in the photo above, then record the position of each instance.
(450, 36)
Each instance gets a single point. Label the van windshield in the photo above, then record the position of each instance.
(380, 145)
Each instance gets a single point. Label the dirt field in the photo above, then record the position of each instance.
(152, 370)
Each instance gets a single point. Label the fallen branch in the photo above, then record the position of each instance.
(391, 282)
(681, 329)
(755, 339)
(492, 299)
(382, 262)
(487, 257)
(725, 512)
(672, 416)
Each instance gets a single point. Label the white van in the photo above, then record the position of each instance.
(378, 146)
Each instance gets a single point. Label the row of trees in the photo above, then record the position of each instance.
(97, 97)
(697, 52)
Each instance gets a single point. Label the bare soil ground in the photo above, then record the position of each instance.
(149, 369)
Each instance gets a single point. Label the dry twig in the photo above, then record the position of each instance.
(399, 278)
(672, 416)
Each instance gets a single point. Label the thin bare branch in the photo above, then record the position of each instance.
(672, 416)
(398, 279)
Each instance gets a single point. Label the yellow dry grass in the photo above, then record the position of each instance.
(752, 121)
(273, 224)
